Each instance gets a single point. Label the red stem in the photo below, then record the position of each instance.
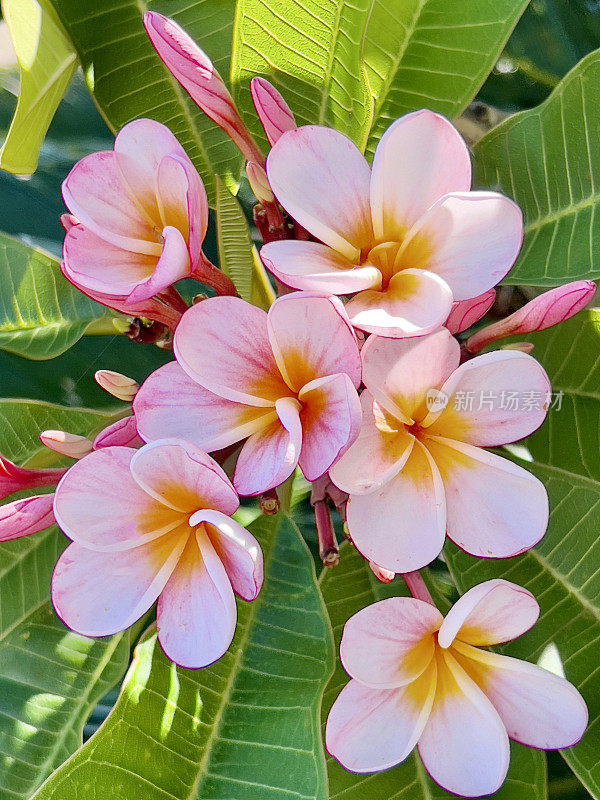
(416, 586)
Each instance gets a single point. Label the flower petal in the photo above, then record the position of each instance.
(495, 508)
(538, 709)
(464, 746)
(122, 433)
(196, 612)
(269, 456)
(390, 643)
(311, 337)
(180, 475)
(493, 399)
(172, 266)
(374, 729)
(400, 373)
(401, 526)
(377, 454)
(420, 158)
(330, 420)
(338, 214)
(471, 240)
(98, 594)
(171, 404)
(465, 313)
(311, 265)
(183, 202)
(127, 515)
(416, 302)
(490, 613)
(26, 516)
(222, 343)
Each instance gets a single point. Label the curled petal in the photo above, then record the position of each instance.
(14, 478)
(172, 266)
(465, 313)
(22, 517)
(122, 433)
(273, 112)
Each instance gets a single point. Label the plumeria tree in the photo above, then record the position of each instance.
(317, 514)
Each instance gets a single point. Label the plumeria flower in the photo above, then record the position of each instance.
(154, 524)
(142, 214)
(421, 680)
(407, 238)
(284, 381)
(417, 469)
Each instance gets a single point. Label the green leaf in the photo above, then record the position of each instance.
(245, 727)
(346, 589)
(562, 571)
(129, 81)
(41, 314)
(548, 160)
(47, 63)
(236, 256)
(50, 678)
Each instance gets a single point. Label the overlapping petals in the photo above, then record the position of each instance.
(421, 680)
(284, 381)
(161, 531)
(407, 236)
(417, 470)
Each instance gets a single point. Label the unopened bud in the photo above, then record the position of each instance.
(14, 478)
(67, 444)
(122, 433)
(465, 313)
(26, 516)
(522, 347)
(68, 221)
(259, 183)
(382, 575)
(273, 112)
(120, 386)
(269, 503)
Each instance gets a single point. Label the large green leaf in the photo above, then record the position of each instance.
(562, 571)
(129, 81)
(245, 727)
(236, 256)
(346, 589)
(47, 62)
(50, 678)
(41, 314)
(548, 160)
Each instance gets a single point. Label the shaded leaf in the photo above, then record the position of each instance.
(236, 257)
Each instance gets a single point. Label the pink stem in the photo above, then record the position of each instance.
(416, 586)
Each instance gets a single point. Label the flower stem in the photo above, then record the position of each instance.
(416, 586)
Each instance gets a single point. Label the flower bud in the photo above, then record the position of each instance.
(522, 347)
(465, 313)
(273, 112)
(382, 575)
(22, 517)
(542, 312)
(67, 444)
(68, 221)
(257, 178)
(120, 386)
(122, 433)
(15, 479)
(194, 70)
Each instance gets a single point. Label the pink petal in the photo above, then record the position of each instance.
(171, 404)
(416, 302)
(273, 112)
(95, 192)
(390, 643)
(495, 508)
(490, 613)
(471, 240)
(538, 709)
(311, 337)
(172, 266)
(330, 420)
(465, 313)
(222, 343)
(376, 456)
(315, 266)
(401, 526)
(14, 478)
(369, 730)
(22, 517)
(183, 202)
(238, 550)
(98, 594)
(420, 158)
(493, 399)
(270, 456)
(338, 213)
(196, 612)
(127, 515)
(399, 373)
(464, 746)
(122, 433)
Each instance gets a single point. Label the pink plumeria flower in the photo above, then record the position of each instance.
(154, 524)
(407, 237)
(417, 469)
(285, 381)
(421, 680)
(142, 216)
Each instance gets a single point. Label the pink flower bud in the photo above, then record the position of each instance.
(120, 386)
(194, 70)
(68, 221)
(67, 444)
(382, 575)
(259, 183)
(542, 312)
(522, 347)
(465, 313)
(273, 112)
(23, 517)
(122, 433)
(14, 478)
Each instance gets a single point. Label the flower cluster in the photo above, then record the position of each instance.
(354, 378)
